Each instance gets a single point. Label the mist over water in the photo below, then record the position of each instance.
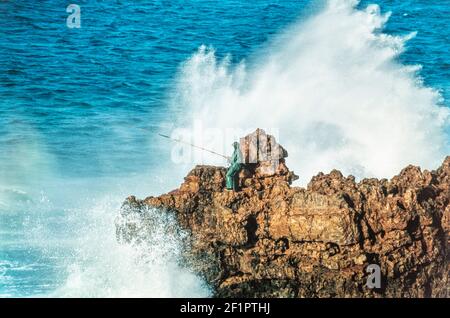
(141, 269)
(334, 91)
(332, 87)
(73, 249)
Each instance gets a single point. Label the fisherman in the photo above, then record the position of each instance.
(236, 162)
(235, 167)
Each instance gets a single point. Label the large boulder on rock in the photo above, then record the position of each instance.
(263, 157)
(262, 154)
(259, 147)
(274, 240)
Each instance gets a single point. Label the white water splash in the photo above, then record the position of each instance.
(102, 267)
(335, 92)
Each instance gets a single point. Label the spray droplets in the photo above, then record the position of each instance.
(334, 90)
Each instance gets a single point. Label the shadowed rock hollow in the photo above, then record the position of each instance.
(274, 240)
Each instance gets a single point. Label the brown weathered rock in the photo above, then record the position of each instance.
(274, 240)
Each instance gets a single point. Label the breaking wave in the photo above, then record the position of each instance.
(333, 90)
(148, 266)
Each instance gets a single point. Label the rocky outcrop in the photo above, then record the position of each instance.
(274, 240)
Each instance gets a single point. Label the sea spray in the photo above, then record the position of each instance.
(64, 243)
(148, 265)
(333, 88)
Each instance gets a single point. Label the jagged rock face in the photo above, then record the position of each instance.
(274, 240)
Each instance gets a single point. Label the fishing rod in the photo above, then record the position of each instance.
(192, 145)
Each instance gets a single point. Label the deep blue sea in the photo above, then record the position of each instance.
(80, 109)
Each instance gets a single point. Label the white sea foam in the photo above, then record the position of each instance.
(66, 230)
(333, 89)
(102, 267)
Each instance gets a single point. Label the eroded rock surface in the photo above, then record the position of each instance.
(274, 240)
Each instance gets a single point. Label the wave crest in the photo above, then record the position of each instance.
(333, 88)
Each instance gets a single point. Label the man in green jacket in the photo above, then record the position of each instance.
(235, 167)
